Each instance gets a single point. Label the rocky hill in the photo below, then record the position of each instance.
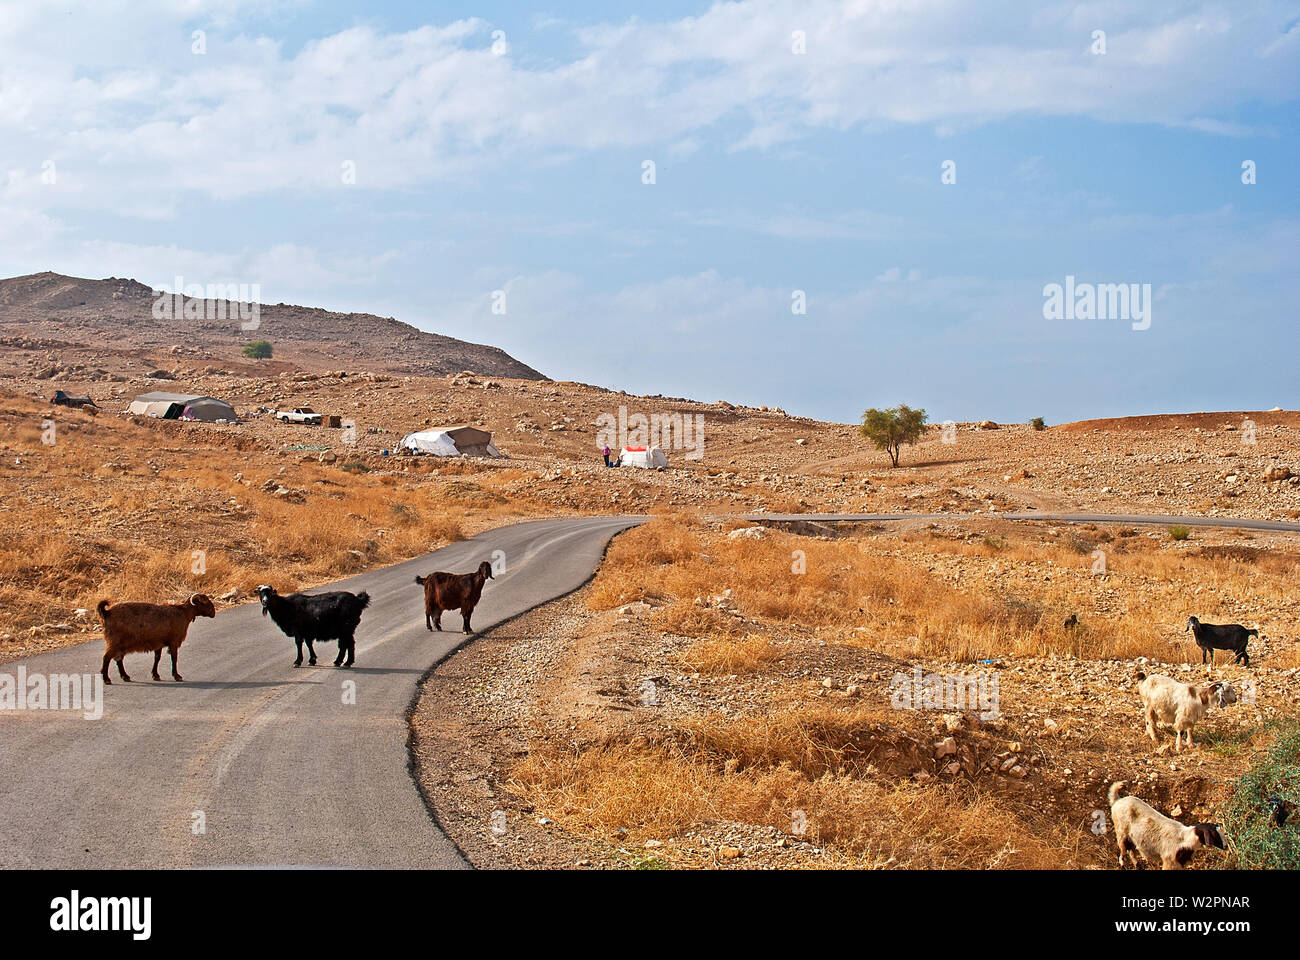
(73, 311)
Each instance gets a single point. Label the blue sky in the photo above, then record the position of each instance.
(520, 170)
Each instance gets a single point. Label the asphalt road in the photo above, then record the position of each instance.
(1234, 523)
(282, 771)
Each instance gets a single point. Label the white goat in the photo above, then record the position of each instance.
(1140, 827)
(1180, 705)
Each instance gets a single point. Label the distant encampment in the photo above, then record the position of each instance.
(182, 406)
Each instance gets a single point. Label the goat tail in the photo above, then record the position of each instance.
(364, 598)
(1115, 788)
(420, 580)
(102, 607)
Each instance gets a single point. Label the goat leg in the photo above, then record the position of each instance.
(298, 662)
(175, 676)
(104, 669)
(311, 661)
(122, 671)
(157, 655)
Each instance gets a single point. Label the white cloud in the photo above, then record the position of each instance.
(139, 114)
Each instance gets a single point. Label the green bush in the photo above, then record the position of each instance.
(257, 350)
(1038, 424)
(890, 429)
(1179, 533)
(1258, 844)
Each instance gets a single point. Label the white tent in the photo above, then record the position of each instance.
(435, 442)
(648, 458)
(442, 443)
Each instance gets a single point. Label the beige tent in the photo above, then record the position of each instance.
(181, 406)
(458, 440)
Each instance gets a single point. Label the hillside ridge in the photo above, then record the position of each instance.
(58, 307)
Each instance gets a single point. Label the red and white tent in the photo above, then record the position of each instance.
(648, 458)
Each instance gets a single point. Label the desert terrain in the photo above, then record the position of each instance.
(702, 702)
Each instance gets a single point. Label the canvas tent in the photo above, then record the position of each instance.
(181, 406)
(648, 458)
(454, 441)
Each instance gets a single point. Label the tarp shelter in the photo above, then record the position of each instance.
(452, 441)
(181, 406)
(648, 458)
(67, 400)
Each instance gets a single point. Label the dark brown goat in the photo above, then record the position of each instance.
(451, 591)
(141, 627)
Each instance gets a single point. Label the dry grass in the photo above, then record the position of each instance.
(814, 740)
(659, 792)
(730, 655)
(848, 765)
(111, 510)
(868, 591)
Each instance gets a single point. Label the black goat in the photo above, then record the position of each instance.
(1229, 636)
(1280, 810)
(322, 616)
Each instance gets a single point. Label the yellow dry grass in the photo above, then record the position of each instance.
(728, 655)
(921, 596)
(869, 592)
(658, 792)
(111, 510)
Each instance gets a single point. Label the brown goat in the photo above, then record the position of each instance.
(141, 627)
(450, 591)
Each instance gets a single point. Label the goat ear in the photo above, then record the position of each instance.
(1208, 834)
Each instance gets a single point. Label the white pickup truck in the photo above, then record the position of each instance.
(299, 415)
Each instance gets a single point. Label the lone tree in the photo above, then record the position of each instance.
(258, 350)
(889, 429)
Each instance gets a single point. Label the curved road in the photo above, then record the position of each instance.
(283, 771)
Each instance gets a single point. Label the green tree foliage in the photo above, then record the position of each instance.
(891, 429)
(258, 350)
